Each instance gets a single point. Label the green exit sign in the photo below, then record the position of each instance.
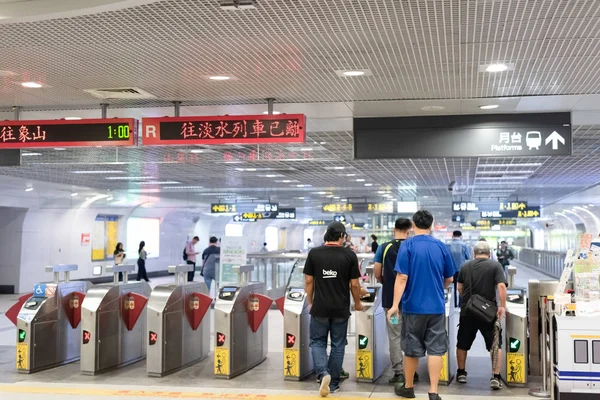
(22, 335)
(363, 342)
(514, 345)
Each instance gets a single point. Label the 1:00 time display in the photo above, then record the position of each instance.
(120, 132)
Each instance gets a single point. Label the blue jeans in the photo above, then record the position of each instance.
(320, 329)
(208, 281)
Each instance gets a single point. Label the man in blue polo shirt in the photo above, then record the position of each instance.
(425, 268)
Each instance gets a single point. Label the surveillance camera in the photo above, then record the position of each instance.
(451, 186)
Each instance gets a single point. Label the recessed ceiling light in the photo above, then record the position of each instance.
(286, 181)
(339, 167)
(29, 189)
(128, 178)
(31, 154)
(74, 194)
(271, 176)
(306, 149)
(496, 67)
(353, 73)
(360, 180)
(158, 182)
(219, 77)
(250, 169)
(433, 108)
(59, 149)
(368, 184)
(321, 192)
(183, 187)
(322, 142)
(97, 172)
(109, 198)
(274, 112)
(381, 192)
(31, 85)
(300, 198)
(336, 197)
(489, 106)
(197, 151)
(72, 118)
(344, 200)
(301, 185)
(350, 174)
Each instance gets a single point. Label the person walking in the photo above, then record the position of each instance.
(374, 244)
(483, 277)
(330, 274)
(505, 254)
(309, 244)
(141, 262)
(424, 269)
(208, 266)
(385, 262)
(119, 257)
(460, 253)
(191, 253)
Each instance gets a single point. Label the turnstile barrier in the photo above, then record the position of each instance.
(178, 333)
(515, 363)
(297, 358)
(372, 347)
(449, 364)
(113, 323)
(47, 322)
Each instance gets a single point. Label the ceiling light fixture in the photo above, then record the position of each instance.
(306, 149)
(300, 198)
(433, 108)
(496, 67)
(339, 167)
(286, 181)
(74, 194)
(183, 187)
(197, 151)
(510, 165)
(29, 189)
(271, 176)
(350, 174)
(59, 149)
(158, 182)
(31, 154)
(353, 73)
(128, 178)
(360, 180)
(109, 198)
(97, 172)
(31, 85)
(489, 106)
(344, 200)
(72, 118)
(219, 78)
(368, 184)
(321, 192)
(274, 112)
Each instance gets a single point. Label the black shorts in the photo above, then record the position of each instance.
(467, 332)
(424, 333)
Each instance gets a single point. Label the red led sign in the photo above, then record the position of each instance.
(228, 129)
(63, 133)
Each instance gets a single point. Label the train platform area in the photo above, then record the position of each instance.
(264, 382)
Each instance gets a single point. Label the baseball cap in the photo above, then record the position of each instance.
(337, 227)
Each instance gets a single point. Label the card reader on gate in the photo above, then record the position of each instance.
(34, 303)
(515, 296)
(227, 292)
(295, 294)
(370, 297)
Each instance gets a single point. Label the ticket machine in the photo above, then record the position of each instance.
(113, 323)
(297, 358)
(449, 359)
(515, 362)
(48, 322)
(240, 326)
(372, 347)
(178, 333)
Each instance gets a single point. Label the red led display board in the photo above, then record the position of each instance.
(63, 133)
(228, 129)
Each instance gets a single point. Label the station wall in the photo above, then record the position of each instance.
(11, 242)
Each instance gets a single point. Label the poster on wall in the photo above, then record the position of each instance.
(233, 254)
(105, 234)
(85, 239)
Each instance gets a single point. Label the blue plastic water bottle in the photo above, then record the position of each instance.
(394, 320)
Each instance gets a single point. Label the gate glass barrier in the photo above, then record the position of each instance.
(449, 360)
(48, 322)
(178, 333)
(297, 358)
(113, 323)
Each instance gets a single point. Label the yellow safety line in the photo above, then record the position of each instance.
(199, 394)
(585, 336)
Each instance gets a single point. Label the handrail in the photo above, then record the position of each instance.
(547, 262)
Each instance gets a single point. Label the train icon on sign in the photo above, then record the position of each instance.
(533, 140)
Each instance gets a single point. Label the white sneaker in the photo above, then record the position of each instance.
(325, 381)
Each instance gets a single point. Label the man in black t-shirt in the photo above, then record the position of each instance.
(480, 276)
(331, 271)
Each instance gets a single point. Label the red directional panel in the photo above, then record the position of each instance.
(279, 302)
(197, 304)
(132, 306)
(72, 305)
(258, 306)
(13, 312)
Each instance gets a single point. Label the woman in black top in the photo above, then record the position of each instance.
(141, 262)
(119, 257)
(374, 245)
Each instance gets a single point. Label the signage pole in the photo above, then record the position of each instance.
(176, 107)
(17, 110)
(104, 110)
(270, 103)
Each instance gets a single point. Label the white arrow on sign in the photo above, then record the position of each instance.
(555, 138)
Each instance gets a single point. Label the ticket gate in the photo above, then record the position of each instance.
(449, 359)
(113, 323)
(178, 332)
(240, 326)
(48, 322)
(297, 358)
(515, 362)
(372, 347)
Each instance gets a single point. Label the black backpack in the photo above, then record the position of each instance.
(185, 256)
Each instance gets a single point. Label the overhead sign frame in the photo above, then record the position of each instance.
(224, 129)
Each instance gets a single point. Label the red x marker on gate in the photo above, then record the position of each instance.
(220, 339)
(291, 340)
(86, 337)
(153, 338)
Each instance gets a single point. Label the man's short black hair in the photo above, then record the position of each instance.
(213, 239)
(403, 224)
(457, 234)
(423, 219)
(196, 238)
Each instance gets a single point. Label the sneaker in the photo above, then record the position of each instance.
(397, 378)
(402, 391)
(461, 376)
(434, 396)
(344, 374)
(336, 389)
(324, 389)
(496, 383)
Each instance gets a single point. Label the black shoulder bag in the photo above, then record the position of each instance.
(479, 307)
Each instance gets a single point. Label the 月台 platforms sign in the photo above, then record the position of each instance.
(227, 129)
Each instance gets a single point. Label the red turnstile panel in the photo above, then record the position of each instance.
(258, 307)
(280, 302)
(197, 306)
(72, 305)
(132, 307)
(13, 312)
